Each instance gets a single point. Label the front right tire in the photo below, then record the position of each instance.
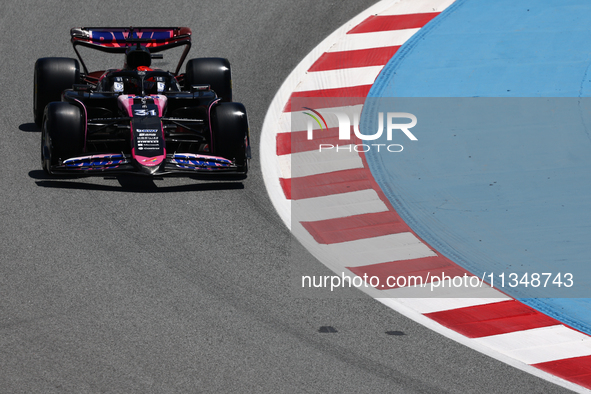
(62, 135)
(52, 76)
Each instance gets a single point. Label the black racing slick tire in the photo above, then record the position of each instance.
(213, 71)
(229, 125)
(62, 136)
(52, 76)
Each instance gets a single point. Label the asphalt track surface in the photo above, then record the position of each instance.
(125, 284)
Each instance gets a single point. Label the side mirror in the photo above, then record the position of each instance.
(80, 88)
(197, 88)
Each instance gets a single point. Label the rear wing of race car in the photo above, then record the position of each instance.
(118, 39)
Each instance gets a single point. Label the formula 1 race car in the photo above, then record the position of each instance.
(136, 118)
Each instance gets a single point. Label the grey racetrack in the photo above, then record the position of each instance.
(177, 285)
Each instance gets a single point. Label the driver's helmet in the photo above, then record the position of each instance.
(137, 57)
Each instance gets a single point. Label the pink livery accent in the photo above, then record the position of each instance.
(125, 102)
(160, 101)
(148, 161)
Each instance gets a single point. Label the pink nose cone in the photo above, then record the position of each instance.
(149, 165)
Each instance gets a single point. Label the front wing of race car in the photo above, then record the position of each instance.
(126, 163)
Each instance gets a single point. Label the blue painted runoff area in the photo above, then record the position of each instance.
(499, 178)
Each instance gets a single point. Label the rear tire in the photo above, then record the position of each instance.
(52, 76)
(213, 71)
(229, 125)
(62, 136)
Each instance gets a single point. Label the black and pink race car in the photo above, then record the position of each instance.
(137, 118)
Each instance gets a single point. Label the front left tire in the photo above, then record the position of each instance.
(229, 126)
